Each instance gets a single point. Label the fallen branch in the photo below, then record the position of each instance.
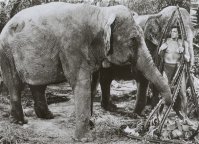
(196, 45)
(153, 140)
(194, 134)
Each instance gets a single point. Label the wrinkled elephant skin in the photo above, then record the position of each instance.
(49, 43)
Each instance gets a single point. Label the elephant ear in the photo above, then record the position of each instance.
(108, 34)
(152, 29)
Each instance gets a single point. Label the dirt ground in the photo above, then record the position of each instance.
(60, 129)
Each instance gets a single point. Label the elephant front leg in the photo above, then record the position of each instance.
(82, 91)
(105, 82)
(40, 103)
(141, 98)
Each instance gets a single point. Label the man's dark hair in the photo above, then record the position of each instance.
(178, 29)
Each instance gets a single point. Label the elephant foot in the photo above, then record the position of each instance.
(109, 107)
(92, 125)
(137, 112)
(82, 130)
(88, 138)
(135, 115)
(83, 135)
(16, 121)
(44, 113)
(16, 113)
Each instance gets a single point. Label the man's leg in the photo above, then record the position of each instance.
(170, 70)
(180, 105)
(183, 95)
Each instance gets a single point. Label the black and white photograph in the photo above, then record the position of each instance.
(99, 71)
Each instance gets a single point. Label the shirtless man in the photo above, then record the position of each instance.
(173, 48)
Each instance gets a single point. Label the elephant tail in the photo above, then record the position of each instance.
(1, 45)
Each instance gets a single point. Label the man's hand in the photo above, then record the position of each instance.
(192, 69)
(163, 47)
(180, 49)
(187, 57)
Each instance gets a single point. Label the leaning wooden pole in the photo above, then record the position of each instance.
(168, 26)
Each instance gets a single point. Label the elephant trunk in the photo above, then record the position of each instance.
(146, 65)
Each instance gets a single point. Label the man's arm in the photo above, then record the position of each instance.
(163, 47)
(187, 53)
(190, 46)
(191, 53)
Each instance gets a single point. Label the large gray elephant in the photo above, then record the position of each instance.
(153, 26)
(52, 42)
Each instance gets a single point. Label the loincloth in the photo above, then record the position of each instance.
(170, 70)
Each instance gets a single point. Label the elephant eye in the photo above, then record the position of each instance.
(134, 42)
(150, 29)
(133, 39)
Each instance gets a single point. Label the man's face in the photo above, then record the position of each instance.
(174, 33)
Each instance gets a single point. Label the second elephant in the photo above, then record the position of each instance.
(153, 26)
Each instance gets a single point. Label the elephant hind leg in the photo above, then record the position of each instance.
(141, 99)
(105, 82)
(40, 103)
(16, 115)
(14, 86)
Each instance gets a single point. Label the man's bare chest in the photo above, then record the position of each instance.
(174, 47)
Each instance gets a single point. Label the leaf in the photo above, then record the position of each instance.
(131, 131)
(171, 127)
(196, 139)
(185, 128)
(179, 126)
(188, 134)
(151, 131)
(193, 124)
(165, 134)
(176, 133)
